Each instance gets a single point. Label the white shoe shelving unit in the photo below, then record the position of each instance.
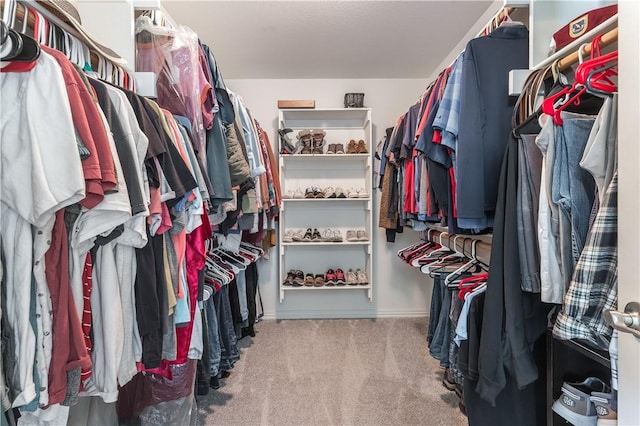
(346, 171)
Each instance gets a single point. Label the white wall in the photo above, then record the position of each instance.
(399, 289)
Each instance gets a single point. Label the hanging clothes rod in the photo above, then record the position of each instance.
(607, 39)
(462, 244)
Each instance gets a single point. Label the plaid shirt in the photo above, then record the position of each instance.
(594, 286)
(447, 118)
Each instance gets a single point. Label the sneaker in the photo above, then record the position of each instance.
(339, 148)
(351, 277)
(316, 237)
(574, 404)
(330, 278)
(319, 281)
(288, 236)
(362, 193)
(337, 236)
(327, 235)
(362, 235)
(340, 193)
(362, 277)
(607, 416)
(329, 192)
(298, 194)
(331, 149)
(319, 193)
(298, 278)
(297, 236)
(287, 195)
(352, 236)
(309, 193)
(290, 277)
(309, 280)
(352, 193)
(307, 236)
(447, 380)
(340, 277)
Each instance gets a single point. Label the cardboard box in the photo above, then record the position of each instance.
(296, 104)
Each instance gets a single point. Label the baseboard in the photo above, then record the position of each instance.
(324, 314)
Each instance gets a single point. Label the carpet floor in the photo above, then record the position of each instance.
(334, 372)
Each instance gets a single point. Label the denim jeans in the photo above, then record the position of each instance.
(441, 338)
(211, 318)
(241, 281)
(529, 171)
(572, 188)
(228, 340)
(552, 287)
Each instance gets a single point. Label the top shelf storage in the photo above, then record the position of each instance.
(339, 118)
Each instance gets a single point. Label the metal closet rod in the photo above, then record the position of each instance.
(461, 244)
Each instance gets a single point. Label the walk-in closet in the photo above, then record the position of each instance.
(319, 212)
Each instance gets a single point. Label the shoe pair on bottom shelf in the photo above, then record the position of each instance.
(339, 278)
(333, 277)
(589, 403)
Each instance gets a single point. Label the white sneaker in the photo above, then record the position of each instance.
(287, 195)
(298, 235)
(361, 235)
(288, 236)
(362, 277)
(329, 192)
(340, 193)
(327, 235)
(352, 193)
(337, 236)
(352, 278)
(297, 194)
(362, 193)
(352, 235)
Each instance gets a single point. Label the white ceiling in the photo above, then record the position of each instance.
(328, 39)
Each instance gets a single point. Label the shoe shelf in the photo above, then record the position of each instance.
(298, 172)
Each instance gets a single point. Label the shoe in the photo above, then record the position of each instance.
(352, 279)
(340, 277)
(362, 278)
(288, 236)
(361, 148)
(330, 278)
(361, 234)
(607, 416)
(298, 194)
(287, 195)
(298, 278)
(352, 193)
(290, 277)
(318, 193)
(214, 383)
(352, 236)
(331, 149)
(319, 281)
(340, 193)
(337, 236)
(447, 380)
(329, 192)
(309, 280)
(298, 236)
(351, 147)
(317, 142)
(574, 404)
(307, 236)
(309, 193)
(286, 144)
(362, 193)
(339, 148)
(304, 141)
(327, 235)
(315, 236)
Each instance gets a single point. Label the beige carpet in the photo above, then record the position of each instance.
(334, 372)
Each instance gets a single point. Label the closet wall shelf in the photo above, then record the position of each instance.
(346, 287)
(609, 24)
(325, 156)
(601, 357)
(323, 243)
(324, 200)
